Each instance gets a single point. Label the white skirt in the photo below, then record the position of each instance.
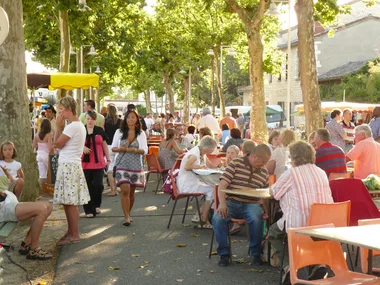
(70, 185)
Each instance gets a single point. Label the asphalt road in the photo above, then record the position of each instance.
(147, 252)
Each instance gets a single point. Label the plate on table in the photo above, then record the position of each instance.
(205, 172)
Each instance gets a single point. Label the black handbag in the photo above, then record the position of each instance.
(114, 167)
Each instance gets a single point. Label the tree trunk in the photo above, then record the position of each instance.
(252, 21)
(219, 83)
(213, 86)
(14, 116)
(64, 62)
(147, 101)
(258, 124)
(169, 91)
(186, 115)
(307, 65)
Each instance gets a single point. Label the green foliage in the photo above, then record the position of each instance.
(361, 86)
(326, 11)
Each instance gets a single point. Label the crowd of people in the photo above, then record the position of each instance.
(93, 144)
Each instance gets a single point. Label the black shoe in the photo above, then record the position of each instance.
(318, 272)
(257, 260)
(224, 261)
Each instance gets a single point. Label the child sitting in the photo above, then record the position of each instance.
(7, 154)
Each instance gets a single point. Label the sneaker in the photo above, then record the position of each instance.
(257, 260)
(224, 261)
(318, 272)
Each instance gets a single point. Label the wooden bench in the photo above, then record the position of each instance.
(6, 228)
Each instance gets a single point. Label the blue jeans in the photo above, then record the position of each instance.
(252, 213)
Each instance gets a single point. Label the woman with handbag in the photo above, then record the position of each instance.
(129, 142)
(93, 163)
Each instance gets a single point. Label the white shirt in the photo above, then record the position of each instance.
(211, 122)
(73, 149)
(279, 155)
(141, 139)
(13, 167)
(149, 123)
(187, 140)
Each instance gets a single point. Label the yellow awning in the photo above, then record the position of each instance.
(70, 81)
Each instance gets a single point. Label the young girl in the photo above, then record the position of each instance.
(43, 143)
(7, 154)
(70, 185)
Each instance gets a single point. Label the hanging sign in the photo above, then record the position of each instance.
(4, 25)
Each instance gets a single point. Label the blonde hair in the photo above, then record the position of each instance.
(68, 102)
(287, 137)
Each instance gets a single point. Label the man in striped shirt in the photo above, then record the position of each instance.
(348, 127)
(247, 172)
(329, 157)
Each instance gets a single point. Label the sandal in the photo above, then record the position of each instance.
(90, 216)
(205, 226)
(195, 219)
(38, 254)
(98, 211)
(67, 241)
(24, 249)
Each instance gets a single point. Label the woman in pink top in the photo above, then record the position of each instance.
(93, 163)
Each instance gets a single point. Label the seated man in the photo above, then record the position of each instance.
(247, 172)
(297, 189)
(329, 157)
(365, 153)
(13, 211)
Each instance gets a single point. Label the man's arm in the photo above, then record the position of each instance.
(222, 208)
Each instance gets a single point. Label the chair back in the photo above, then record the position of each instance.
(303, 251)
(153, 163)
(335, 213)
(174, 185)
(214, 159)
(354, 190)
(364, 251)
(177, 164)
(221, 154)
(155, 138)
(154, 150)
(334, 176)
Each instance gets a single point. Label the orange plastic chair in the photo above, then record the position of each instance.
(221, 154)
(232, 220)
(178, 196)
(214, 159)
(334, 176)
(155, 167)
(155, 138)
(364, 251)
(272, 179)
(303, 251)
(335, 213)
(154, 150)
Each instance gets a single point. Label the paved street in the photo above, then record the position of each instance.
(146, 252)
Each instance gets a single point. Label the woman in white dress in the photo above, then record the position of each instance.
(70, 185)
(188, 181)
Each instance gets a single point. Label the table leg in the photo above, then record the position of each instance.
(370, 261)
(268, 226)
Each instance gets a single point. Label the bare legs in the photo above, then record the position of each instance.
(39, 212)
(18, 187)
(127, 200)
(111, 181)
(72, 216)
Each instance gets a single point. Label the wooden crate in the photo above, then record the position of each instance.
(48, 189)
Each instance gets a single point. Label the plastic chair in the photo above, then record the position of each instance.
(221, 154)
(334, 176)
(362, 205)
(155, 167)
(364, 251)
(178, 196)
(232, 220)
(154, 150)
(335, 213)
(214, 159)
(155, 138)
(303, 251)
